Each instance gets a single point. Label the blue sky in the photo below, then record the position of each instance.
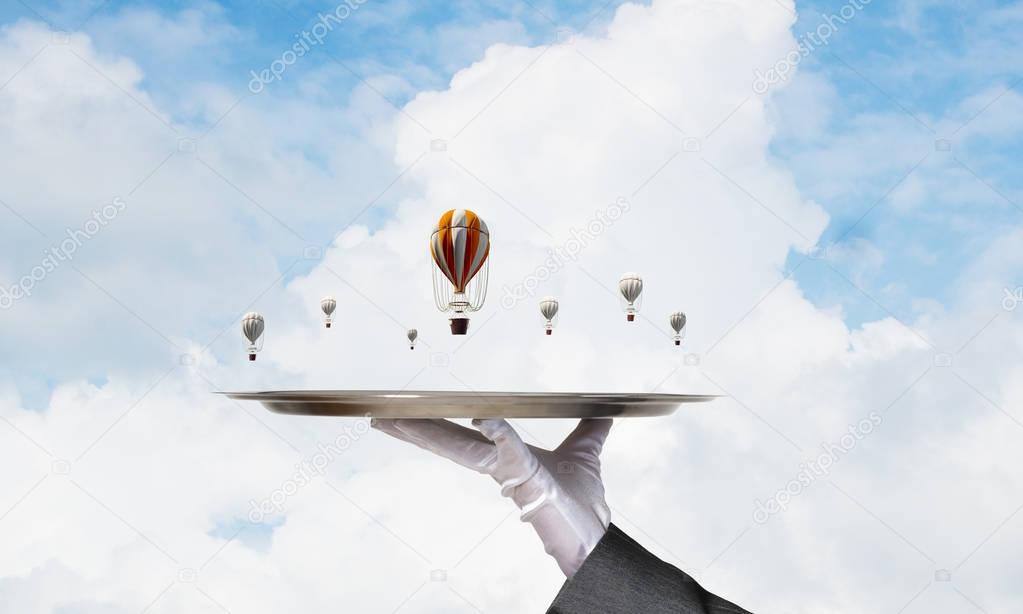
(914, 64)
(420, 42)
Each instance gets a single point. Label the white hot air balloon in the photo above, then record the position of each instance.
(631, 287)
(678, 324)
(252, 328)
(549, 309)
(328, 305)
(413, 334)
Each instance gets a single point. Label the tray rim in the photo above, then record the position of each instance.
(439, 404)
(334, 396)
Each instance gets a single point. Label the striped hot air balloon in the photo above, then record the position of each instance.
(460, 245)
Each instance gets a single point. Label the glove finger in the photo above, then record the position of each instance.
(442, 437)
(500, 432)
(516, 462)
(587, 439)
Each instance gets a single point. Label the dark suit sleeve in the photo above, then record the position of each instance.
(620, 576)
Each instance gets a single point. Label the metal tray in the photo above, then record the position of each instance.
(442, 404)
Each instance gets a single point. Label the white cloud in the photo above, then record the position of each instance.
(198, 29)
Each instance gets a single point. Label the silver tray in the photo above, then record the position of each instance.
(441, 404)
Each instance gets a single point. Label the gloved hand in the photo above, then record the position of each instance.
(560, 492)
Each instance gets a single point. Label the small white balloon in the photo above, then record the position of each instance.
(549, 309)
(328, 305)
(252, 327)
(678, 323)
(631, 287)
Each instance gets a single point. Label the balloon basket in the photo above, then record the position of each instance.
(252, 357)
(631, 317)
(677, 342)
(549, 331)
(459, 326)
(328, 324)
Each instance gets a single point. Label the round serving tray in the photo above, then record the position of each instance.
(440, 404)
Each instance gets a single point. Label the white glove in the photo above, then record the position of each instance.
(559, 492)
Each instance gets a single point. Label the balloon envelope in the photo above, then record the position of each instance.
(460, 244)
(252, 326)
(630, 285)
(549, 307)
(413, 334)
(678, 321)
(328, 305)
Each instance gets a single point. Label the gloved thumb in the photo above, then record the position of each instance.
(587, 439)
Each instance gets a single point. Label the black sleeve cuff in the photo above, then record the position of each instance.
(622, 576)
